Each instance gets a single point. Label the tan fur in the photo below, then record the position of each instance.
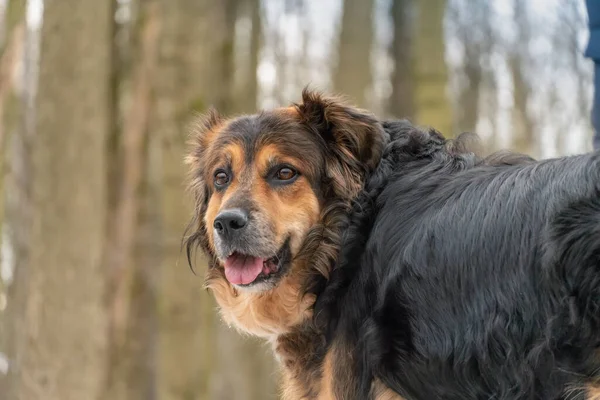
(290, 111)
(262, 314)
(290, 388)
(593, 392)
(293, 390)
(381, 392)
(326, 391)
(291, 211)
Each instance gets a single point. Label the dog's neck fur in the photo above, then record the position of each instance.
(266, 315)
(283, 317)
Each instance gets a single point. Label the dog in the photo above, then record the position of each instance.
(383, 261)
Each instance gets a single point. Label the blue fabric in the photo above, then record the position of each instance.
(596, 105)
(593, 51)
(593, 47)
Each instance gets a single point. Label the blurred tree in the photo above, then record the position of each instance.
(132, 295)
(401, 102)
(63, 355)
(470, 27)
(10, 113)
(194, 352)
(488, 87)
(190, 69)
(245, 94)
(10, 54)
(243, 367)
(523, 123)
(352, 76)
(431, 75)
(566, 37)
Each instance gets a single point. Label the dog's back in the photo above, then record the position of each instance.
(478, 279)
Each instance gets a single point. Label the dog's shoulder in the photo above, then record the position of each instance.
(437, 239)
(455, 247)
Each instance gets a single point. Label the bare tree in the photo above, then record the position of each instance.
(401, 102)
(193, 38)
(352, 75)
(11, 53)
(470, 32)
(523, 123)
(132, 299)
(195, 71)
(431, 75)
(63, 355)
(245, 368)
(10, 112)
(246, 92)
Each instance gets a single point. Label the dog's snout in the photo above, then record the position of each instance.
(230, 222)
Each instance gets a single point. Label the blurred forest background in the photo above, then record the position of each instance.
(96, 299)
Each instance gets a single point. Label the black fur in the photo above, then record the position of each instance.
(467, 278)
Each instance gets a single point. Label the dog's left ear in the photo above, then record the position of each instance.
(354, 138)
(202, 129)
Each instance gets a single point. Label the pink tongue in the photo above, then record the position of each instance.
(242, 270)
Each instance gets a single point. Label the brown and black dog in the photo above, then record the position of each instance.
(338, 238)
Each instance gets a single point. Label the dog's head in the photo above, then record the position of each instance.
(271, 191)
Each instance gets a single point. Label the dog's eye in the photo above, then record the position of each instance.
(285, 174)
(221, 178)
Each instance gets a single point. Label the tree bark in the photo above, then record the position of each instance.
(132, 296)
(244, 366)
(198, 358)
(476, 51)
(523, 123)
(64, 355)
(191, 72)
(246, 96)
(352, 76)
(12, 54)
(401, 103)
(431, 75)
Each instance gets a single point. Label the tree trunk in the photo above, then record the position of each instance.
(191, 74)
(132, 295)
(352, 76)
(12, 55)
(431, 75)
(64, 355)
(401, 103)
(244, 366)
(195, 70)
(523, 124)
(247, 86)
(476, 51)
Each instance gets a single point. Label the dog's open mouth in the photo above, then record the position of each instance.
(246, 270)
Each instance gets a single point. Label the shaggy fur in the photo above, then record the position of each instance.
(418, 270)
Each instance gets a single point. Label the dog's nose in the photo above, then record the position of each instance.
(230, 222)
